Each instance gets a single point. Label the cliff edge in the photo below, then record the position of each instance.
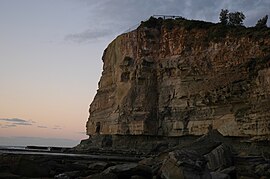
(179, 77)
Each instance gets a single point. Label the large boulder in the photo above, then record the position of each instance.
(215, 148)
(185, 164)
(219, 158)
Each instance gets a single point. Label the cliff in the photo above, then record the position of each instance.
(178, 77)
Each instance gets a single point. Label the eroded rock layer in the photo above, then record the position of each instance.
(172, 79)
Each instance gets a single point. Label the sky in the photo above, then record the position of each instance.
(50, 58)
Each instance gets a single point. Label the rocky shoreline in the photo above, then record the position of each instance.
(209, 156)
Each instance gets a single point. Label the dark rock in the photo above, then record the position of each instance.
(62, 176)
(160, 146)
(219, 158)
(218, 175)
(137, 177)
(101, 140)
(227, 173)
(185, 164)
(6, 175)
(68, 175)
(154, 163)
(128, 170)
(4, 168)
(228, 170)
(77, 166)
(252, 166)
(30, 168)
(98, 166)
(215, 148)
(107, 141)
(208, 142)
(263, 170)
(102, 176)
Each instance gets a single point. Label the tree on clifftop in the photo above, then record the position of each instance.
(236, 18)
(232, 18)
(262, 22)
(223, 16)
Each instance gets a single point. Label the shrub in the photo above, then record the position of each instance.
(262, 22)
(152, 22)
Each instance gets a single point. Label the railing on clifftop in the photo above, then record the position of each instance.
(155, 16)
(167, 16)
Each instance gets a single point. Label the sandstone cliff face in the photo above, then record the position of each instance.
(175, 81)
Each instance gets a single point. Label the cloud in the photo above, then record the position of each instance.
(88, 35)
(56, 127)
(113, 17)
(8, 125)
(23, 124)
(43, 127)
(14, 122)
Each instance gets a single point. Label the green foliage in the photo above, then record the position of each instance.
(223, 16)
(213, 32)
(152, 23)
(232, 18)
(169, 23)
(217, 32)
(177, 22)
(196, 24)
(236, 18)
(251, 32)
(262, 22)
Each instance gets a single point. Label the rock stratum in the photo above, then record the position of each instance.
(177, 77)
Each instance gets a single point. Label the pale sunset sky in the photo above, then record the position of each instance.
(50, 58)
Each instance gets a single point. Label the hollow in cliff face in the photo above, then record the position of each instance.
(178, 80)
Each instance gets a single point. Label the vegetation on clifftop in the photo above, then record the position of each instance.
(216, 31)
